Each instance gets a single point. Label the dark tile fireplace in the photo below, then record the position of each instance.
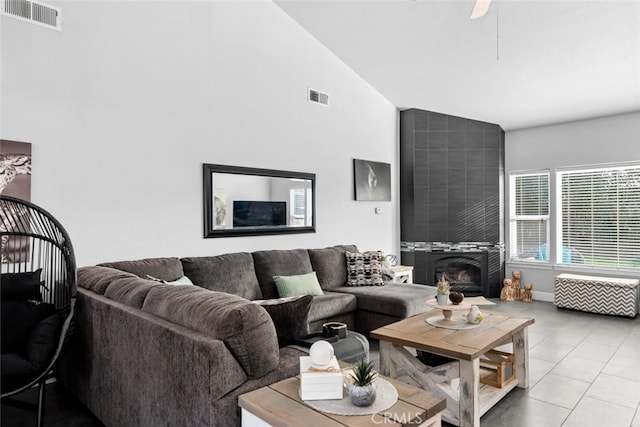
(451, 200)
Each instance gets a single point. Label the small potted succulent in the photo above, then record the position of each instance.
(362, 390)
(442, 291)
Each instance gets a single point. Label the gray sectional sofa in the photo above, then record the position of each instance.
(147, 352)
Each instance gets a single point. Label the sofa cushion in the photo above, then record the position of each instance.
(279, 263)
(364, 269)
(289, 316)
(329, 264)
(231, 273)
(394, 299)
(301, 284)
(163, 268)
(331, 304)
(120, 286)
(97, 279)
(244, 327)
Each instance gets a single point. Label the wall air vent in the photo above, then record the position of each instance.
(34, 12)
(318, 97)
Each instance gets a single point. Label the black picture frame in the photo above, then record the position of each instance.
(371, 180)
(217, 224)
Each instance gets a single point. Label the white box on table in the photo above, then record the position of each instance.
(320, 385)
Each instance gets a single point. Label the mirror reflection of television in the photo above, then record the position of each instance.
(259, 214)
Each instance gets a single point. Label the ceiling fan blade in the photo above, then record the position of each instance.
(480, 9)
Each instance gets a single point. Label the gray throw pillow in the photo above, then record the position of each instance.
(289, 316)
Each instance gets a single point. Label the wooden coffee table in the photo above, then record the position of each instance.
(458, 381)
(279, 404)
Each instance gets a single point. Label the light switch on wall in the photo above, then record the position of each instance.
(378, 211)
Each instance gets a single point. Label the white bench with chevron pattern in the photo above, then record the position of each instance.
(604, 295)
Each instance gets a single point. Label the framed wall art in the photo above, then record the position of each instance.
(15, 173)
(15, 181)
(371, 180)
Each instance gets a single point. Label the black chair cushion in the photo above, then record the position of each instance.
(43, 341)
(16, 371)
(14, 365)
(21, 366)
(18, 319)
(21, 286)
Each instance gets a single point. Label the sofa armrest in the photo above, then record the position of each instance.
(164, 268)
(244, 327)
(133, 368)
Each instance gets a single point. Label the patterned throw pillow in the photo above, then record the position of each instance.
(364, 269)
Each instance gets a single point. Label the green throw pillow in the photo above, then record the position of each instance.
(184, 280)
(303, 284)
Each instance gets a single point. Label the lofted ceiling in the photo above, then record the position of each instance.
(526, 63)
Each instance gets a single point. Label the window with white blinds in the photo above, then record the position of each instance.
(600, 216)
(529, 217)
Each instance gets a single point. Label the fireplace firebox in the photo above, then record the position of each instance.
(473, 268)
(465, 271)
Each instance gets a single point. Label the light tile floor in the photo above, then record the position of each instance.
(584, 371)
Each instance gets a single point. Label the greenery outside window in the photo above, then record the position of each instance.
(599, 216)
(529, 216)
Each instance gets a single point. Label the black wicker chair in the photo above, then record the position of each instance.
(38, 285)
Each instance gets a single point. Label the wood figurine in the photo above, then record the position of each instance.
(527, 295)
(507, 290)
(515, 283)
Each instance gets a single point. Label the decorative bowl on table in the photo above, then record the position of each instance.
(456, 297)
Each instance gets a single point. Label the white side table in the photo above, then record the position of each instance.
(402, 273)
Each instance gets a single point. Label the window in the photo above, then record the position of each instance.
(599, 210)
(299, 202)
(529, 216)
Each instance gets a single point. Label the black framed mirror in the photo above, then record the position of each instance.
(240, 201)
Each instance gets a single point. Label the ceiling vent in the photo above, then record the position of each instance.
(34, 12)
(318, 97)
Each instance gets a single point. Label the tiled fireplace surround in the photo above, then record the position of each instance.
(451, 199)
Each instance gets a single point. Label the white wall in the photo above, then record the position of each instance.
(614, 139)
(126, 103)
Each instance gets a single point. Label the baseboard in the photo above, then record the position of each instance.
(543, 296)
